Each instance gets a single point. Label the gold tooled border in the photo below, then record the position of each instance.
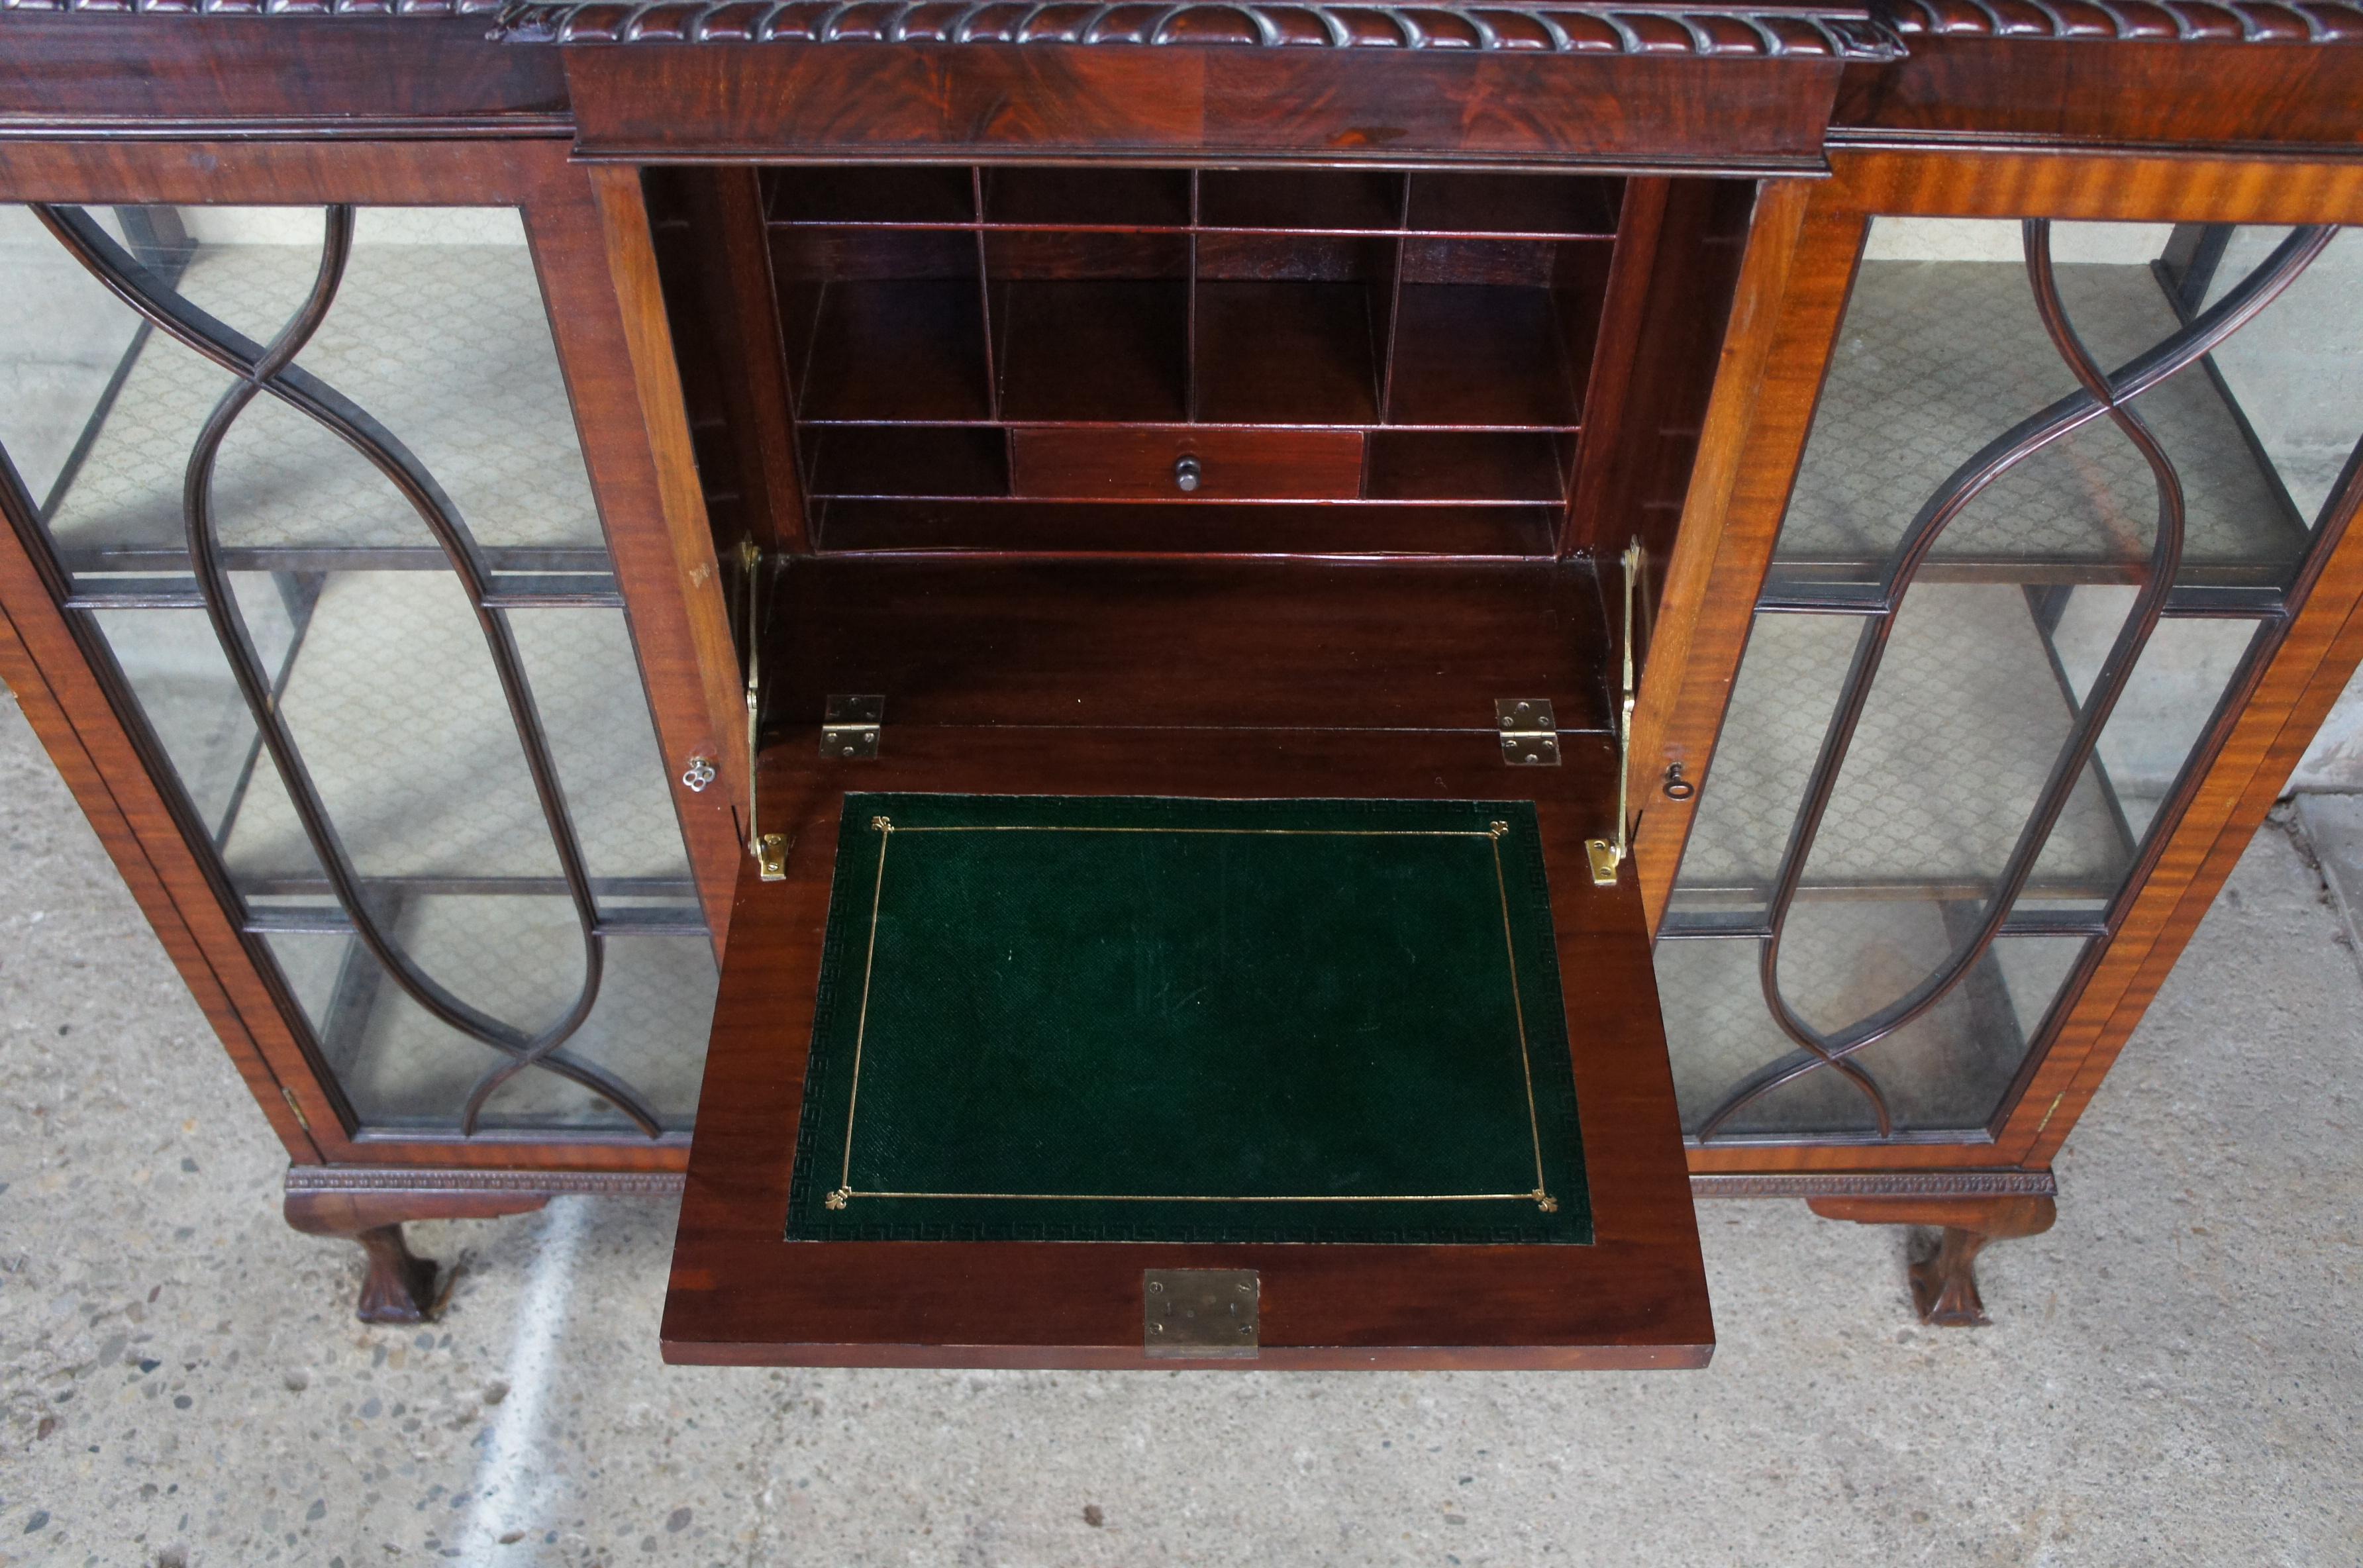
(886, 829)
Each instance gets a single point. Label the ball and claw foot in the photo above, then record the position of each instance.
(399, 1287)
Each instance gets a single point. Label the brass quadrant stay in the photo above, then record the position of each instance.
(770, 849)
(1607, 853)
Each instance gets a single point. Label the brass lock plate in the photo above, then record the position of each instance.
(1194, 1314)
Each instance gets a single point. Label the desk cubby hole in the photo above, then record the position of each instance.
(1116, 199)
(1454, 465)
(882, 325)
(1540, 207)
(897, 195)
(922, 461)
(1291, 328)
(1495, 333)
(1302, 201)
(1089, 326)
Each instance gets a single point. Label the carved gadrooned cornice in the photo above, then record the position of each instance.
(258, 7)
(2130, 21)
(1759, 32)
(1541, 28)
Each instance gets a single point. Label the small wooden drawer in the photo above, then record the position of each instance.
(1180, 463)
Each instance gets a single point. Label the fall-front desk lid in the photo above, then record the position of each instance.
(1130, 1078)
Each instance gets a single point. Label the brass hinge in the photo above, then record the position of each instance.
(1607, 853)
(1529, 731)
(770, 849)
(849, 726)
(297, 1106)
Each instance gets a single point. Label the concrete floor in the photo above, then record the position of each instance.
(2173, 1375)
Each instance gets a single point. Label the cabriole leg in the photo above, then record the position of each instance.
(1945, 1284)
(399, 1287)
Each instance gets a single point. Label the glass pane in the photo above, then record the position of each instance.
(1963, 727)
(439, 334)
(63, 336)
(402, 725)
(377, 667)
(586, 686)
(184, 689)
(520, 959)
(1942, 351)
(2296, 373)
(1946, 1071)
(2184, 675)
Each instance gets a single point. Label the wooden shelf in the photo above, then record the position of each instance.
(1222, 644)
(1214, 528)
(1292, 200)
(1442, 321)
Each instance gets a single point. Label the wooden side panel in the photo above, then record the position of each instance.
(617, 347)
(1792, 289)
(1619, 344)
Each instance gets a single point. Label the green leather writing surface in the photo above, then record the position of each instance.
(1135, 1019)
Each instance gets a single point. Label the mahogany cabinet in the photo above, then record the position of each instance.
(485, 489)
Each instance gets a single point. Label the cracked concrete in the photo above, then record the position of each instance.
(2171, 1378)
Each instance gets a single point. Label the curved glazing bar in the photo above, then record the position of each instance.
(260, 369)
(2099, 395)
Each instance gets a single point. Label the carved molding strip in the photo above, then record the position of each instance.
(1694, 31)
(2131, 21)
(1877, 1184)
(260, 7)
(414, 1178)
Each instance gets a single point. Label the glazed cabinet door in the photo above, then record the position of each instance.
(305, 483)
(2067, 487)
